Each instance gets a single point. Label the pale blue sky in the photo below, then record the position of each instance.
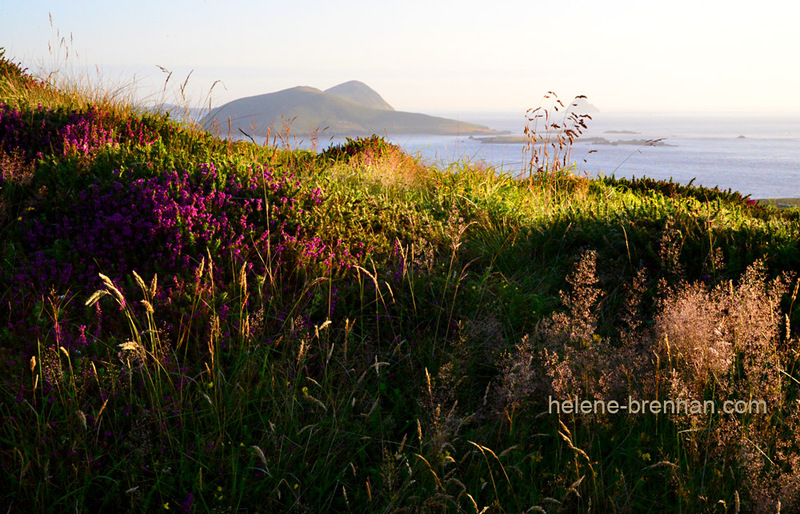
(436, 57)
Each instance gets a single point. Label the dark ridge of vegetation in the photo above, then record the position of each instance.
(373, 144)
(674, 190)
(196, 325)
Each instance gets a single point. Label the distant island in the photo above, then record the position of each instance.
(506, 140)
(349, 109)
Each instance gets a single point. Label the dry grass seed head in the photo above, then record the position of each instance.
(724, 342)
(578, 324)
(688, 328)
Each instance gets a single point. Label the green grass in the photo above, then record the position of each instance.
(355, 331)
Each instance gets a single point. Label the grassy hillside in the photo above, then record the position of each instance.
(195, 325)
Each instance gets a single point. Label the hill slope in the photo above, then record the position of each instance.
(348, 109)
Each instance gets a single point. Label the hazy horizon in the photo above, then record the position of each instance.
(447, 57)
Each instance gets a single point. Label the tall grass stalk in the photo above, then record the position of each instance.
(550, 135)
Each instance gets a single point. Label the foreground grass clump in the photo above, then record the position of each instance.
(198, 325)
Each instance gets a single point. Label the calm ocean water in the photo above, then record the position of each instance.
(764, 163)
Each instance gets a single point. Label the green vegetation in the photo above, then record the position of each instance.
(196, 325)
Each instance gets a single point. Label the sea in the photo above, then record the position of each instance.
(756, 155)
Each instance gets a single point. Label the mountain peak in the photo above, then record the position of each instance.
(361, 94)
(305, 89)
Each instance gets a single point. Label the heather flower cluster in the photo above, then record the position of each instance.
(85, 132)
(40, 131)
(168, 225)
(30, 132)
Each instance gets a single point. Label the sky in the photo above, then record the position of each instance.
(429, 56)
